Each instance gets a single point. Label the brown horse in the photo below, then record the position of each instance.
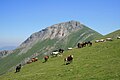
(34, 59)
(46, 58)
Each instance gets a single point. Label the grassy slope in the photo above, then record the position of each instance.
(46, 45)
(114, 34)
(78, 36)
(99, 62)
(5, 62)
(13, 59)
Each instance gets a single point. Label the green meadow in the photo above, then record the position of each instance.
(101, 61)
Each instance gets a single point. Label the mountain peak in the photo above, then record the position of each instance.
(55, 31)
(58, 32)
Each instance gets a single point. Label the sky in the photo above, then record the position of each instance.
(21, 18)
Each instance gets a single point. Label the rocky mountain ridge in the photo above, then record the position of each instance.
(57, 31)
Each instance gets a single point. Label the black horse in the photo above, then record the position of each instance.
(61, 50)
(18, 68)
(90, 43)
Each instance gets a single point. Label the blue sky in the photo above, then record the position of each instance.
(20, 18)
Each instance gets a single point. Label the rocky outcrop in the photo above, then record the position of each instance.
(5, 53)
(57, 31)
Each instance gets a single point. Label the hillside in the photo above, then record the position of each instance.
(62, 35)
(98, 62)
(113, 34)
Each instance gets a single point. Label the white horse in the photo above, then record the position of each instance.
(108, 39)
(70, 48)
(96, 41)
(54, 54)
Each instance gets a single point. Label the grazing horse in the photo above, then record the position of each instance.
(101, 40)
(55, 53)
(80, 45)
(29, 62)
(46, 58)
(70, 48)
(61, 50)
(18, 68)
(90, 43)
(34, 59)
(96, 41)
(84, 44)
(109, 39)
(118, 37)
(68, 60)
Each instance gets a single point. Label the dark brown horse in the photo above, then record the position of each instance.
(84, 44)
(46, 58)
(68, 60)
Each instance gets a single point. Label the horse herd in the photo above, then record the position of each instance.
(106, 39)
(59, 52)
(32, 60)
(56, 53)
(84, 44)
